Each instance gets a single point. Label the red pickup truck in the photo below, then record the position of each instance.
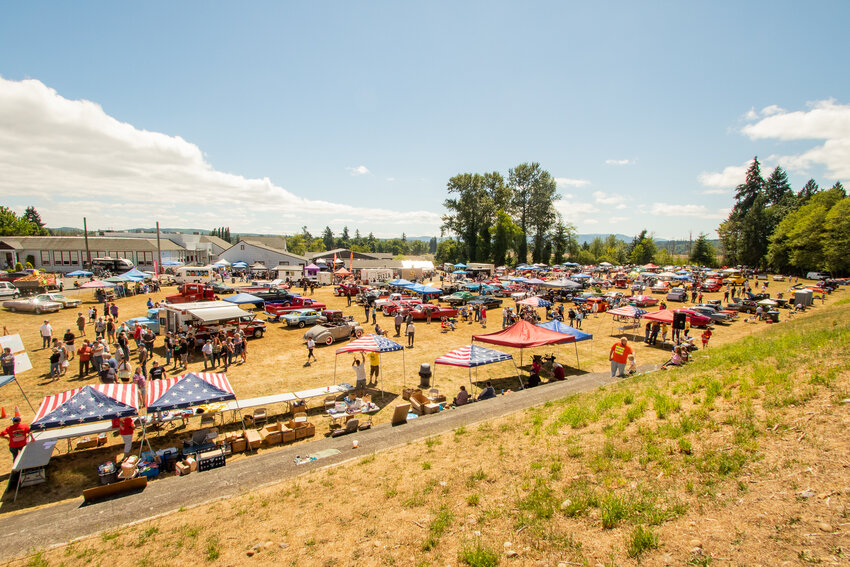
(191, 292)
(276, 310)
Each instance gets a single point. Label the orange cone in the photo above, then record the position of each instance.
(3, 412)
(17, 413)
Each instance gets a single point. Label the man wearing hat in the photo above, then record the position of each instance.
(17, 434)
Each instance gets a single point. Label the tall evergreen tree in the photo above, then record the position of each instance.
(777, 187)
(703, 252)
(328, 238)
(809, 189)
(432, 245)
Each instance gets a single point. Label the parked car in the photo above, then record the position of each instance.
(420, 312)
(643, 301)
(485, 301)
(59, 298)
(712, 313)
(694, 318)
(710, 286)
(33, 305)
(458, 298)
(151, 320)
(221, 289)
(390, 308)
(337, 328)
(7, 290)
(742, 306)
(779, 278)
(302, 317)
(677, 294)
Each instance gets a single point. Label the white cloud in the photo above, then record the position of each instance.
(619, 162)
(825, 120)
(610, 200)
(359, 170)
(70, 159)
(771, 110)
(731, 176)
(575, 211)
(390, 179)
(674, 210)
(567, 182)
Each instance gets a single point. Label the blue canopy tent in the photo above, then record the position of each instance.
(243, 298)
(239, 265)
(400, 283)
(424, 289)
(560, 327)
(460, 265)
(78, 273)
(458, 272)
(171, 263)
(473, 356)
(134, 275)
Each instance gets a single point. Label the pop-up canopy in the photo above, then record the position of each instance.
(100, 402)
(559, 327)
(523, 334)
(188, 390)
(473, 356)
(373, 343)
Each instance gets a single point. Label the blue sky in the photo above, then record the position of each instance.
(266, 116)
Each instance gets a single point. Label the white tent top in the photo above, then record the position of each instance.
(219, 313)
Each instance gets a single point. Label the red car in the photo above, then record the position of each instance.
(643, 301)
(710, 285)
(694, 318)
(420, 312)
(391, 307)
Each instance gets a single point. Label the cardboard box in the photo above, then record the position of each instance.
(86, 443)
(271, 434)
(238, 445)
(182, 469)
(406, 393)
(253, 439)
(287, 434)
(418, 403)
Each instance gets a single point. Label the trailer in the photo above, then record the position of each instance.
(208, 318)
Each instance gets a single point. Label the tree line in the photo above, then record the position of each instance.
(28, 224)
(773, 227)
(305, 241)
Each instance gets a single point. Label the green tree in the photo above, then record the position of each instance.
(432, 245)
(585, 257)
(746, 232)
(703, 252)
(808, 190)
(31, 215)
(836, 237)
(505, 234)
(449, 250)
(534, 193)
(328, 238)
(471, 213)
(561, 239)
(642, 249)
(13, 225)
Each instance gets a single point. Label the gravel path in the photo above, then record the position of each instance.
(62, 523)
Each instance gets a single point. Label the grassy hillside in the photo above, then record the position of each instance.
(740, 458)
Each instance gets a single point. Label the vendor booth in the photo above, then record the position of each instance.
(522, 335)
(560, 327)
(373, 343)
(473, 356)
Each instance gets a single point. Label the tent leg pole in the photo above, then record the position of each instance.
(519, 377)
(24, 394)
(578, 363)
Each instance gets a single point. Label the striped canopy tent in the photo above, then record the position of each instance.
(628, 311)
(91, 403)
(188, 390)
(535, 301)
(374, 343)
(473, 356)
(559, 327)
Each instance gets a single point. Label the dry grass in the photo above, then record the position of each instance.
(741, 458)
(275, 365)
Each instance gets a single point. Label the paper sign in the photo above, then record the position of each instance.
(13, 342)
(22, 363)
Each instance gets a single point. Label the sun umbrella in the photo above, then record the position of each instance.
(78, 273)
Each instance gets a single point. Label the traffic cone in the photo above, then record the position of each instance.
(17, 413)
(3, 412)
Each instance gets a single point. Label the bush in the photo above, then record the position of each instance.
(478, 555)
(641, 540)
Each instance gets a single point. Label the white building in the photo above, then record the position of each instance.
(253, 251)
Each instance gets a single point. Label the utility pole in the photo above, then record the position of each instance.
(158, 251)
(88, 252)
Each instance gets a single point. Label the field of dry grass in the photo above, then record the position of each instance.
(276, 364)
(739, 459)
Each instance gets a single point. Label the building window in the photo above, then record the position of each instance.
(61, 257)
(75, 257)
(45, 258)
(242, 247)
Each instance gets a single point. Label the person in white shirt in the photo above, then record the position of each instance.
(359, 365)
(46, 334)
(311, 344)
(208, 354)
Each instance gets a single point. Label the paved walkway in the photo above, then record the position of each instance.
(61, 523)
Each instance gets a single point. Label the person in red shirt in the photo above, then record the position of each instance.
(125, 427)
(17, 434)
(706, 335)
(619, 357)
(84, 354)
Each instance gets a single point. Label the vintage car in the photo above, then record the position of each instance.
(710, 286)
(59, 298)
(778, 278)
(458, 298)
(390, 308)
(151, 320)
(337, 328)
(694, 318)
(302, 317)
(677, 294)
(643, 301)
(711, 312)
(277, 309)
(485, 301)
(742, 306)
(32, 304)
(660, 287)
(221, 289)
(601, 304)
(420, 312)
(349, 289)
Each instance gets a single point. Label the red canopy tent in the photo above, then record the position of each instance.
(662, 316)
(523, 334)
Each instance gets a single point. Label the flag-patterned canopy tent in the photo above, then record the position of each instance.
(100, 402)
(535, 301)
(473, 356)
(373, 343)
(559, 327)
(628, 311)
(188, 390)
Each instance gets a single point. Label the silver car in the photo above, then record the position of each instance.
(33, 305)
(59, 298)
(712, 313)
(332, 331)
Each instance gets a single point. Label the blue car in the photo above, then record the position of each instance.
(151, 321)
(302, 317)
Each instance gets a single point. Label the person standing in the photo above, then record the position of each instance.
(311, 344)
(113, 310)
(125, 428)
(579, 317)
(398, 320)
(55, 358)
(216, 350)
(168, 342)
(227, 353)
(207, 351)
(46, 332)
(374, 366)
(17, 434)
(7, 362)
(706, 335)
(483, 317)
(184, 353)
(139, 381)
(410, 331)
(619, 356)
(359, 366)
(81, 324)
(144, 356)
(84, 355)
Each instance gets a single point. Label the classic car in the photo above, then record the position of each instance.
(389, 309)
(420, 312)
(742, 306)
(7, 290)
(337, 328)
(600, 302)
(486, 301)
(458, 298)
(660, 287)
(694, 318)
(222, 289)
(643, 301)
(151, 321)
(349, 289)
(59, 298)
(779, 278)
(583, 297)
(277, 309)
(712, 313)
(32, 304)
(302, 317)
(677, 294)
(710, 286)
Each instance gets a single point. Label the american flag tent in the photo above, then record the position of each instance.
(373, 343)
(628, 311)
(473, 356)
(188, 390)
(88, 404)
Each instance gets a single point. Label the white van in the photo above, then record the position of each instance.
(192, 274)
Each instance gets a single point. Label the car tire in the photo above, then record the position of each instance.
(38, 310)
(258, 333)
(329, 340)
(358, 333)
(300, 324)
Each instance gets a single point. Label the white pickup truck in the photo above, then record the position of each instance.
(8, 291)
